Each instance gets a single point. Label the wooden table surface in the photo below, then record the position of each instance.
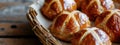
(14, 26)
(15, 30)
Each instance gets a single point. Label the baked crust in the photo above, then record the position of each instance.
(52, 8)
(68, 23)
(91, 36)
(94, 8)
(110, 23)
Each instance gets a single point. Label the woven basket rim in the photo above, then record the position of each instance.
(45, 36)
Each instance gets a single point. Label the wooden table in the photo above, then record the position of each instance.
(15, 30)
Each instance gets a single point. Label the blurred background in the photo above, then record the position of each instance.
(14, 7)
(14, 26)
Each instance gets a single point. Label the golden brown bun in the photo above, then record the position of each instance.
(68, 23)
(91, 36)
(94, 8)
(109, 21)
(52, 8)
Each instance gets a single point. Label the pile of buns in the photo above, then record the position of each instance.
(72, 20)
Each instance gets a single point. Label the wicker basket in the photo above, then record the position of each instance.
(44, 34)
(41, 29)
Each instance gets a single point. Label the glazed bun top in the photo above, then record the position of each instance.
(68, 23)
(100, 5)
(94, 8)
(91, 36)
(52, 8)
(109, 21)
(109, 17)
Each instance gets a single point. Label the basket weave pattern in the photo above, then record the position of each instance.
(44, 35)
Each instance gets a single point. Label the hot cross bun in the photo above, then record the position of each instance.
(52, 8)
(68, 23)
(109, 21)
(91, 36)
(94, 8)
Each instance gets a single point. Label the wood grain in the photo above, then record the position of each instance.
(15, 29)
(14, 26)
(19, 41)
